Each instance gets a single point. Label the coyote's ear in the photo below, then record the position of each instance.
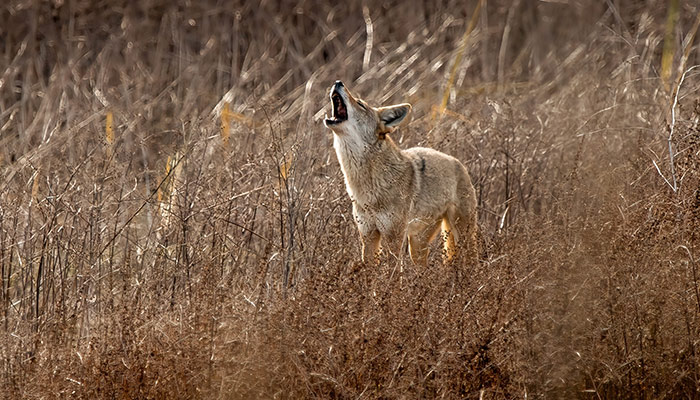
(393, 116)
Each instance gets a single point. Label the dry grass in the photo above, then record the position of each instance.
(174, 224)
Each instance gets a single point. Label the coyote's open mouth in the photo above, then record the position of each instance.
(340, 110)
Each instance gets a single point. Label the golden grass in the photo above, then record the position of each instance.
(458, 57)
(669, 44)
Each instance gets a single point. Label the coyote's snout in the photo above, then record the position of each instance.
(395, 193)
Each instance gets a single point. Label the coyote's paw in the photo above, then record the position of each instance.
(356, 266)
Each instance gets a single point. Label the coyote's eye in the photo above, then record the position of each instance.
(361, 104)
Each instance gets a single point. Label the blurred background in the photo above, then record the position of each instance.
(174, 223)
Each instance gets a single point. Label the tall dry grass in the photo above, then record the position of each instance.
(173, 222)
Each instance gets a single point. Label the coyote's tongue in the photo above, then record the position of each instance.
(339, 110)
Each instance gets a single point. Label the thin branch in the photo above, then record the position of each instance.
(674, 184)
(370, 38)
(695, 276)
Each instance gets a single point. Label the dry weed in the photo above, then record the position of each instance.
(174, 224)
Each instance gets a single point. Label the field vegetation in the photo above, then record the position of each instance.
(174, 223)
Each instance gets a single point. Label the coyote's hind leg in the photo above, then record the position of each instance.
(450, 239)
(419, 241)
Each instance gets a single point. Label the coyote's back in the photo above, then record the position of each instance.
(399, 194)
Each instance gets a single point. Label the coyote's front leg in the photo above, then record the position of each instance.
(369, 234)
(370, 246)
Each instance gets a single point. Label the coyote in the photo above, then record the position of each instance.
(399, 194)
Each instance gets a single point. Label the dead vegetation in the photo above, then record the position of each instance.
(174, 224)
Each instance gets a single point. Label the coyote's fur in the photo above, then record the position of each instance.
(399, 194)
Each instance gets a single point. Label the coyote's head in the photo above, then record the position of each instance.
(351, 116)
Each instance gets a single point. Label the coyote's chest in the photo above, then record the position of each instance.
(375, 178)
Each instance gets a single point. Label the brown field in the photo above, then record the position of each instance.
(174, 223)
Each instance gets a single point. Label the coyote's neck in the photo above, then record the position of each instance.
(371, 170)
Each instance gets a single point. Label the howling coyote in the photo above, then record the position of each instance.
(395, 193)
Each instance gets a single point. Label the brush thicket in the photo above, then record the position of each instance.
(174, 223)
